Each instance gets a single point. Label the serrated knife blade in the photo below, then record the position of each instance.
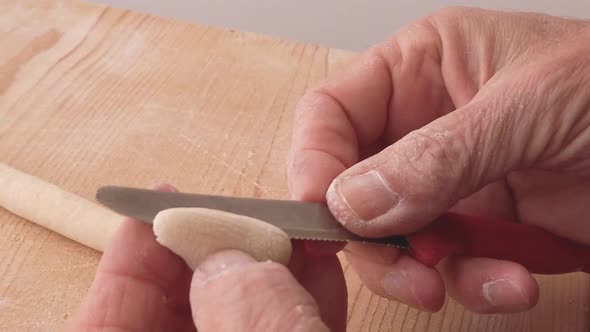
(300, 220)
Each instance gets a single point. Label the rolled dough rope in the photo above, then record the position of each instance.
(194, 233)
(55, 209)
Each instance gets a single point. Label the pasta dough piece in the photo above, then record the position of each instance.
(194, 233)
(55, 209)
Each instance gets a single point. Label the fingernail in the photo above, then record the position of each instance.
(219, 263)
(504, 293)
(361, 197)
(398, 285)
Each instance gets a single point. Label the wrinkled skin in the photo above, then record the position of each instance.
(468, 110)
(475, 111)
(142, 286)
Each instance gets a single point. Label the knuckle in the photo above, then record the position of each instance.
(308, 103)
(410, 45)
(544, 105)
(437, 158)
(283, 310)
(264, 299)
(247, 282)
(301, 317)
(559, 115)
(452, 13)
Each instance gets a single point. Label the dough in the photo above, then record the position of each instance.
(55, 209)
(194, 233)
(191, 233)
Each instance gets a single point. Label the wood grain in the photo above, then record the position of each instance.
(91, 95)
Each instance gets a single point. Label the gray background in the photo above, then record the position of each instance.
(346, 24)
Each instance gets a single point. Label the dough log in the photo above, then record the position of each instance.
(191, 233)
(55, 209)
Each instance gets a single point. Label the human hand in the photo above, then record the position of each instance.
(142, 286)
(473, 111)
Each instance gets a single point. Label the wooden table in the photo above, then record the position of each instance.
(91, 95)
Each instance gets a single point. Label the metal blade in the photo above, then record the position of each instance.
(300, 220)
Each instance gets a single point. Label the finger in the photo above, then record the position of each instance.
(392, 275)
(478, 204)
(388, 91)
(139, 285)
(421, 176)
(325, 139)
(233, 292)
(323, 278)
(545, 197)
(490, 286)
(318, 270)
(465, 277)
(508, 126)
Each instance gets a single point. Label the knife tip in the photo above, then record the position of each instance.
(103, 192)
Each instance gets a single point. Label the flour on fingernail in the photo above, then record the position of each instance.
(339, 207)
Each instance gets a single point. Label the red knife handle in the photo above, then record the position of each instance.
(537, 250)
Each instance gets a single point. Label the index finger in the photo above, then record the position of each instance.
(139, 285)
(387, 92)
(334, 121)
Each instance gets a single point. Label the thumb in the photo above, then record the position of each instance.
(231, 291)
(413, 181)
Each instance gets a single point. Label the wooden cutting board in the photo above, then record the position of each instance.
(91, 95)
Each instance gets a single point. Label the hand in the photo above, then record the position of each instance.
(474, 111)
(142, 286)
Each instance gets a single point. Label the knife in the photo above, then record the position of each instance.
(451, 234)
